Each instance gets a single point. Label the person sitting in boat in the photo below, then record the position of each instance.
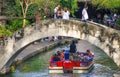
(89, 54)
(55, 58)
(62, 54)
(58, 53)
(77, 56)
(81, 57)
(66, 55)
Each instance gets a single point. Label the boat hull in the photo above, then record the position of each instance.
(86, 69)
(81, 63)
(83, 69)
(56, 70)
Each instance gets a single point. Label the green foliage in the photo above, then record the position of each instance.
(4, 32)
(110, 4)
(12, 27)
(46, 7)
(74, 7)
(51, 4)
(15, 25)
(71, 4)
(12, 9)
(118, 21)
(32, 10)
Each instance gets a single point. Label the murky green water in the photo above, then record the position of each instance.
(38, 66)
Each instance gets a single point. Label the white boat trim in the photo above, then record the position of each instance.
(85, 70)
(56, 70)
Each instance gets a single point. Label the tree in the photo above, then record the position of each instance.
(110, 4)
(71, 4)
(51, 4)
(46, 7)
(12, 9)
(20, 9)
(25, 5)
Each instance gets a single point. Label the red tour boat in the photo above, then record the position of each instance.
(63, 62)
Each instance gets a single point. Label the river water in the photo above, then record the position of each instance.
(37, 66)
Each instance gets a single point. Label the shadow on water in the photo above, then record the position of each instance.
(37, 66)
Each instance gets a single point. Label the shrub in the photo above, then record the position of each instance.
(4, 32)
(15, 25)
(118, 21)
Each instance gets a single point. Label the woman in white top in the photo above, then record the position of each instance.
(66, 14)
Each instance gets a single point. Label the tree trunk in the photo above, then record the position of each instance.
(24, 20)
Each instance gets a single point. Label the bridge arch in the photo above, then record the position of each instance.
(103, 37)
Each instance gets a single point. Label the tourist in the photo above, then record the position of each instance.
(55, 38)
(90, 55)
(73, 47)
(55, 11)
(66, 55)
(114, 18)
(105, 19)
(62, 54)
(99, 20)
(38, 18)
(85, 14)
(66, 14)
(58, 53)
(81, 57)
(55, 58)
(59, 13)
(89, 52)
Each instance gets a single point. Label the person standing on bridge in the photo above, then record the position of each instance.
(66, 14)
(55, 11)
(85, 14)
(38, 18)
(59, 13)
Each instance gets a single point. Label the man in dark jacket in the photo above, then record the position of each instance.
(73, 47)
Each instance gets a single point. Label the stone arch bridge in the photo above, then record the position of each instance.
(103, 37)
